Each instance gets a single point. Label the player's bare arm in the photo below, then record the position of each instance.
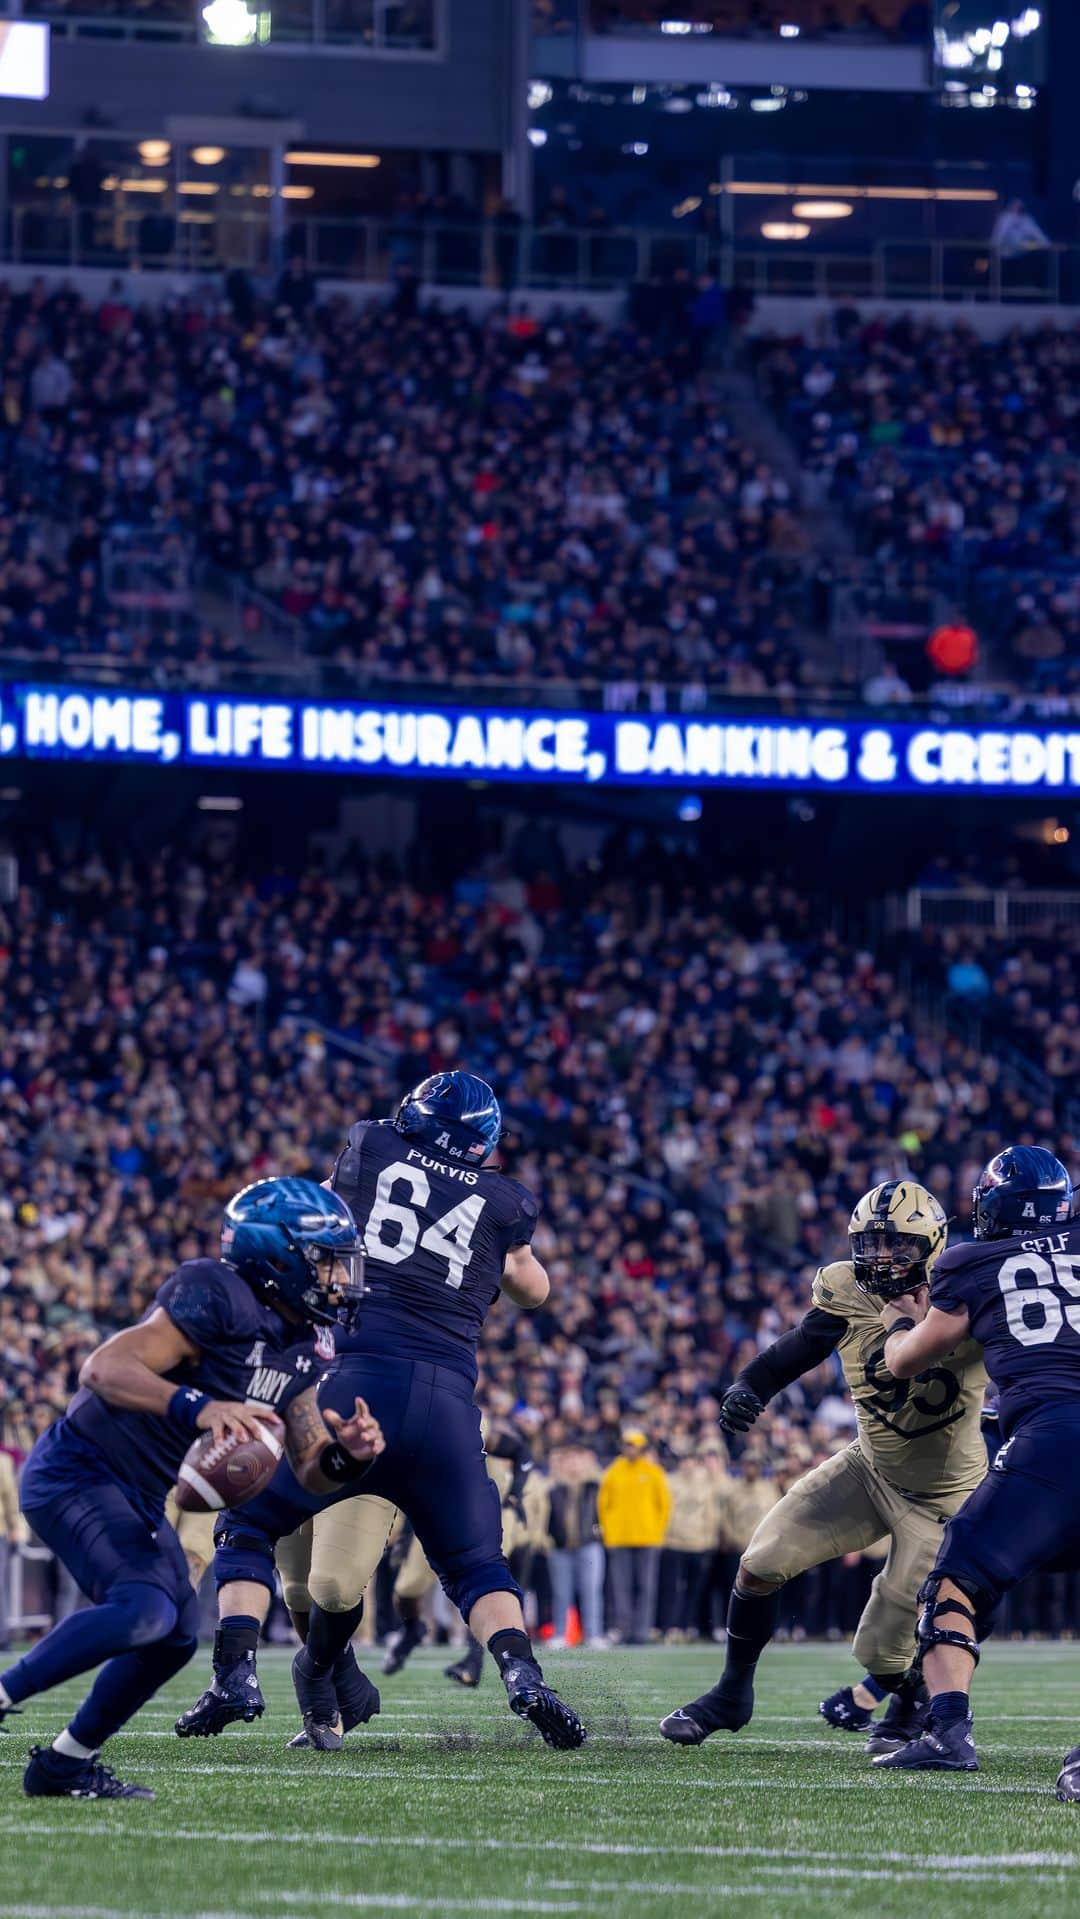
(311, 1435)
(919, 1334)
(524, 1279)
(128, 1371)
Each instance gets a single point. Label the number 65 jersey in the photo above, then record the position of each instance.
(923, 1434)
(1023, 1302)
(436, 1235)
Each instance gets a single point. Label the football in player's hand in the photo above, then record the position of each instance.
(216, 1473)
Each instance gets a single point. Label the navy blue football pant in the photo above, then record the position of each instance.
(144, 1617)
(1024, 1516)
(433, 1468)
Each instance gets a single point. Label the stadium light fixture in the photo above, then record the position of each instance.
(231, 23)
(789, 31)
(303, 157)
(298, 193)
(203, 187)
(208, 156)
(536, 136)
(784, 230)
(219, 803)
(154, 153)
(822, 209)
(538, 95)
(770, 105)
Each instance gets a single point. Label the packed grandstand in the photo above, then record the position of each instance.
(428, 497)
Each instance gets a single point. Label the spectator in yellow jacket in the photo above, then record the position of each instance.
(633, 1507)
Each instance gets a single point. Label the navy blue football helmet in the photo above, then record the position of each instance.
(1022, 1190)
(297, 1243)
(455, 1114)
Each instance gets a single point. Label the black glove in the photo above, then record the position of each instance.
(738, 1409)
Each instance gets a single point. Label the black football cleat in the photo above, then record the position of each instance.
(939, 1749)
(233, 1694)
(903, 1721)
(728, 1707)
(466, 1672)
(1068, 1779)
(316, 1697)
(402, 1644)
(843, 1710)
(358, 1700)
(528, 1696)
(319, 1735)
(50, 1775)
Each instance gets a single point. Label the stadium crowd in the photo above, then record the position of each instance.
(699, 1078)
(958, 453)
(427, 495)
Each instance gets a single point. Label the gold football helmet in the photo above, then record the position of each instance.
(896, 1233)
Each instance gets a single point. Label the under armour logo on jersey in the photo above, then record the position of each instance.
(303, 1363)
(255, 1357)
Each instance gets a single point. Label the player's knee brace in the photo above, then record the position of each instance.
(148, 1611)
(928, 1633)
(242, 1553)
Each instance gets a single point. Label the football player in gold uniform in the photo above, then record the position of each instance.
(918, 1454)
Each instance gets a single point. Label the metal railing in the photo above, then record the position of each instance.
(504, 256)
(409, 27)
(301, 676)
(999, 909)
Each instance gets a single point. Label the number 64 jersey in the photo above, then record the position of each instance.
(436, 1235)
(1022, 1298)
(923, 1434)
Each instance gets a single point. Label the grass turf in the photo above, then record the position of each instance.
(446, 1804)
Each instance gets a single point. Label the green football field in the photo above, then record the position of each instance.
(445, 1804)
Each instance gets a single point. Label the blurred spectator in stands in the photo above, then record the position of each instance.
(887, 687)
(576, 1560)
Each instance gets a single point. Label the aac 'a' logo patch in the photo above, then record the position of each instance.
(1029, 1209)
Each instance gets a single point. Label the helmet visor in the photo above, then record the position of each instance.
(888, 1263)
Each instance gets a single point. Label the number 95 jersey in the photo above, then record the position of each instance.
(436, 1235)
(1023, 1302)
(923, 1434)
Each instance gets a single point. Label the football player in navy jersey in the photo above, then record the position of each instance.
(443, 1235)
(1015, 1289)
(94, 1487)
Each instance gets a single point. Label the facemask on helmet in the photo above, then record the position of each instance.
(896, 1233)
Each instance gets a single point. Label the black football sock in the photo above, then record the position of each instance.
(328, 1635)
(236, 1638)
(948, 1707)
(510, 1646)
(751, 1622)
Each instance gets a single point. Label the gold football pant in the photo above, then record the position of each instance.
(415, 1577)
(195, 1531)
(331, 1558)
(845, 1506)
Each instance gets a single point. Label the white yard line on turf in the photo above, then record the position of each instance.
(375, 1901)
(622, 1849)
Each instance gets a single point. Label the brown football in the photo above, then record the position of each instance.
(216, 1473)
